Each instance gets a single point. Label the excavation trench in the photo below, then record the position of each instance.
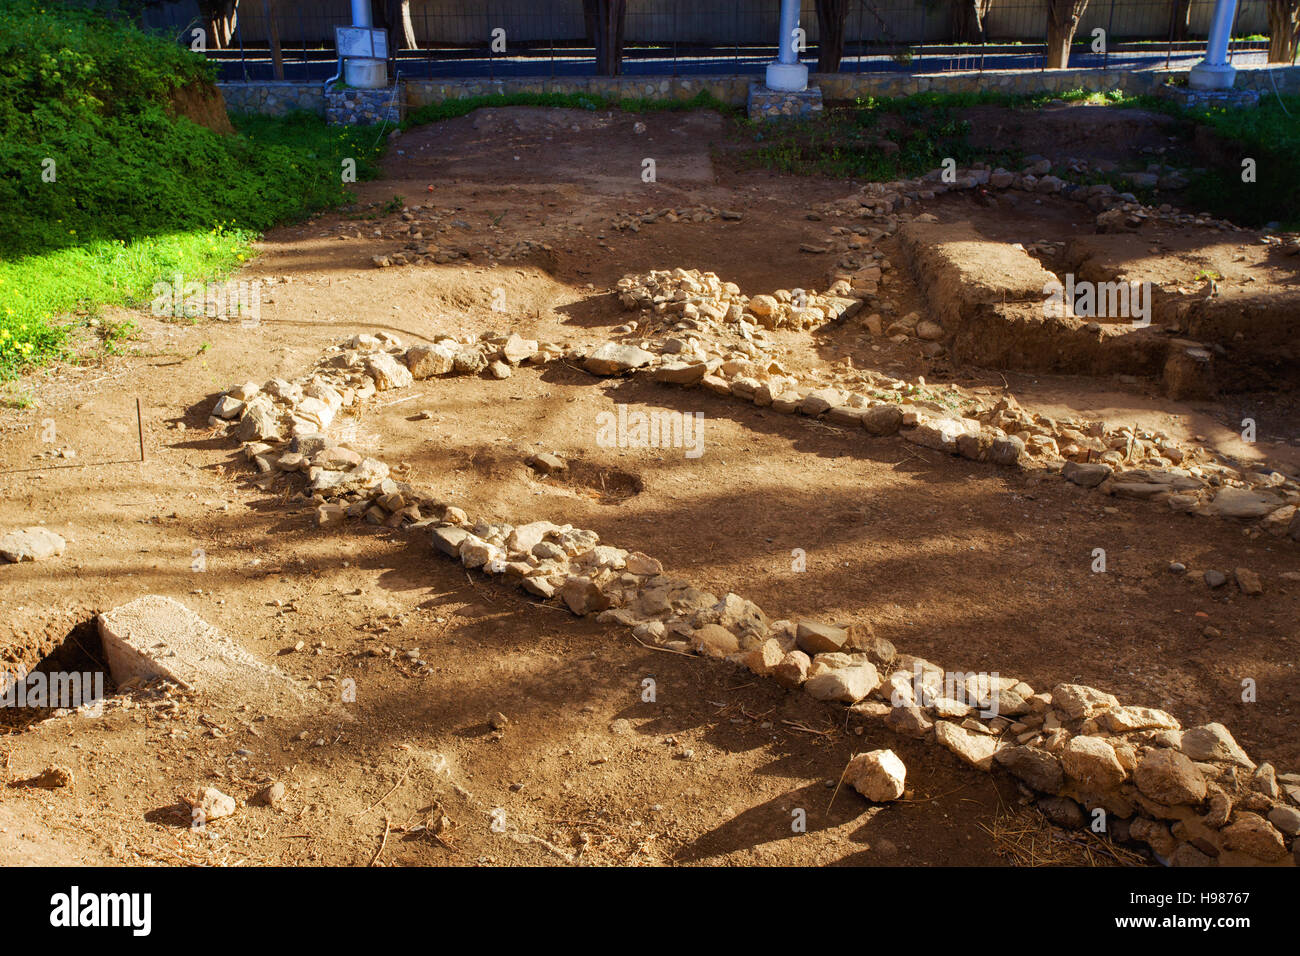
(1102, 305)
(71, 673)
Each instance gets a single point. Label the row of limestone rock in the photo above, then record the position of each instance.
(285, 426)
(285, 420)
(711, 341)
(1193, 796)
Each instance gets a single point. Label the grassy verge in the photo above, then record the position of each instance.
(40, 295)
(1268, 134)
(928, 128)
(450, 109)
(847, 141)
(294, 168)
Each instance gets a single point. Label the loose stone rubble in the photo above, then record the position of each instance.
(699, 299)
(633, 221)
(1192, 795)
(884, 202)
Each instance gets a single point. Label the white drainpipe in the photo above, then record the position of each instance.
(786, 72)
(1215, 72)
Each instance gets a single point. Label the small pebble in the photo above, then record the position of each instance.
(272, 795)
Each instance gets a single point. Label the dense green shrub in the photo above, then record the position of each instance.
(102, 191)
(91, 95)
(1268, 134)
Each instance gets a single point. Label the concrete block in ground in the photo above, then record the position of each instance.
(154, 637)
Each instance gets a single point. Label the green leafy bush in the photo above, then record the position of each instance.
(92, 95)
(1270, 135)
(103, 191)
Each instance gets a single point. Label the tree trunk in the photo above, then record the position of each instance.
(968, 20)
(395, 17)
(831, 18)
(604, 23)
(403, 15)
(1283, 30)
(1182, 19)
(1062, 20)
(219, 19)
(273, 38)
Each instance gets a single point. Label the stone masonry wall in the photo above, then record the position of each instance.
(277, 99)
(274, 99)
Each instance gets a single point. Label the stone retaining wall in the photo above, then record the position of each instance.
(734, 90)
(274, 99)
(277, 99)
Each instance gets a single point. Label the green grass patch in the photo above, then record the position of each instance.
(149, 174)
(12, 395)
(81, 280)
(1270, 135)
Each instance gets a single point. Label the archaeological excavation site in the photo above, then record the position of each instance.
(674, 479)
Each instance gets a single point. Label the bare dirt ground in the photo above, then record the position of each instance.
(977, 568)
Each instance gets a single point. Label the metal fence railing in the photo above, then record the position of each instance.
(549, 38)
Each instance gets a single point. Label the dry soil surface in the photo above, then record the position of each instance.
(976, 568)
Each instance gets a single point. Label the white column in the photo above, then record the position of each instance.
(1214, 72)
(786, 72)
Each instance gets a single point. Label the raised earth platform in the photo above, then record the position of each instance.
(989, 297)
(766, 103)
